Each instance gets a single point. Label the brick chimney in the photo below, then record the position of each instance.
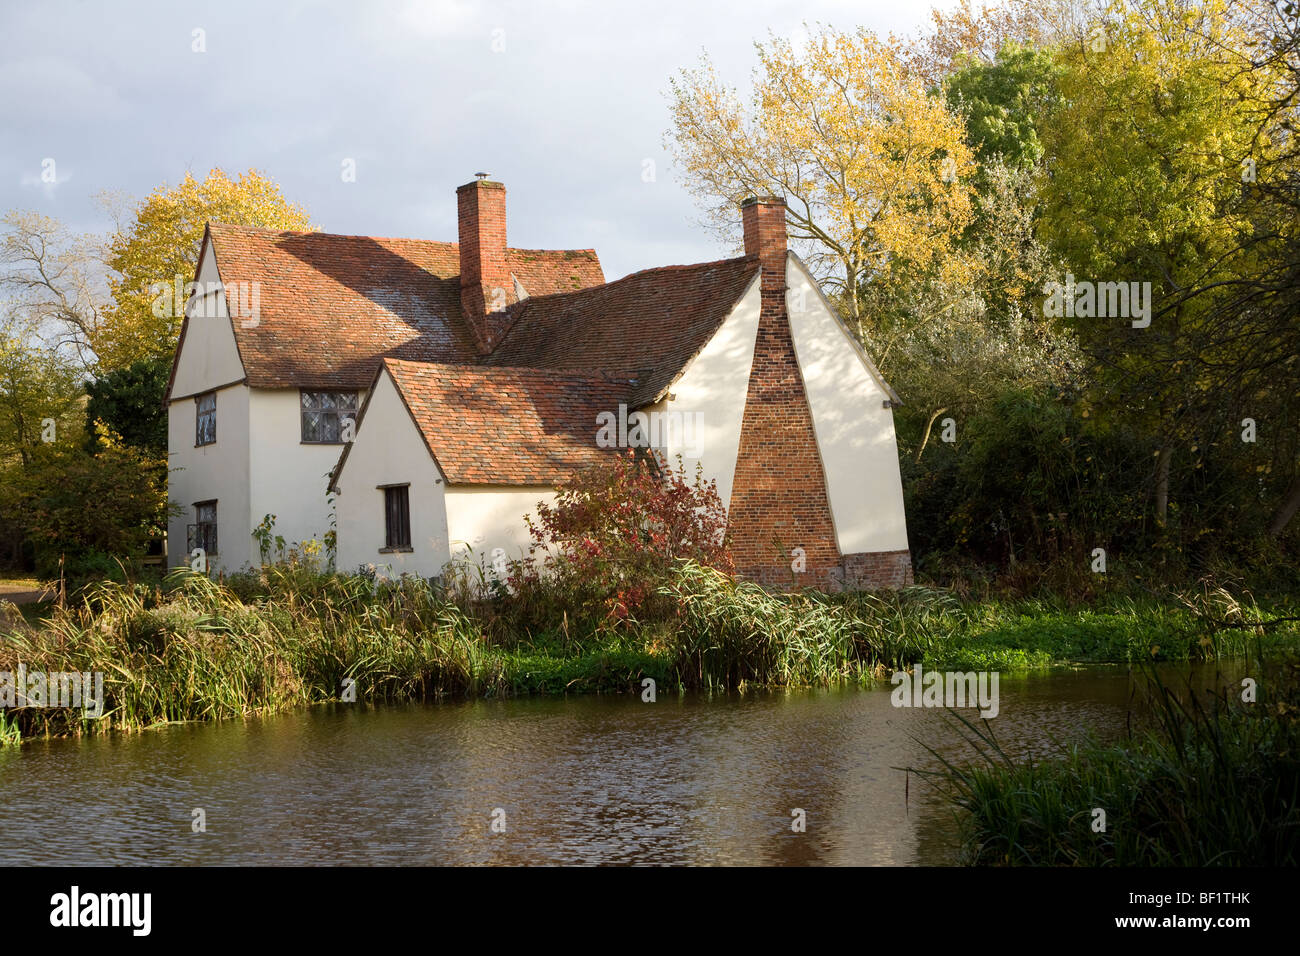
(764, 221)
(779, 499)
(486, 286)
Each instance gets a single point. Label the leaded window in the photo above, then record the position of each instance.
(323, 415)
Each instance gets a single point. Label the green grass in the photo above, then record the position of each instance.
(16, 583)
(1033, 634)
(598, 672)
(195, 649)
(1206, 783)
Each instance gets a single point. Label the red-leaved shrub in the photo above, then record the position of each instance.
(615, 532)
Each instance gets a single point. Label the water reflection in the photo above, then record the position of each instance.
(695, 780)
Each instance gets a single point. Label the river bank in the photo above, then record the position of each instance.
(196, 649)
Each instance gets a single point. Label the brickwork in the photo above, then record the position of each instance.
(779, 500)
(486, 286)
(874, 570)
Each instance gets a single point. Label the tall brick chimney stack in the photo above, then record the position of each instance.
(764, 221)
(485, 283)
(779, 499)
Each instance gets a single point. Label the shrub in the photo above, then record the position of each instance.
(616, 531)
(82, 507)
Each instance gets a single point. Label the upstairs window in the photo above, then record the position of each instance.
(397, 518)
(203, 533)
(323, 414)
(205, 419)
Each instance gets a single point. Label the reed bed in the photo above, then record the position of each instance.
(729, 632)
(287, 636)
(198, 652)
(1204, 783)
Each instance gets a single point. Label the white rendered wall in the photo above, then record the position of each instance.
(209, 357)
(482, 519)
(713, 390)
(289, 478)
(389, 451)
(855, 432)
(219, 471)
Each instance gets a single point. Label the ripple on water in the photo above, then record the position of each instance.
(691, 780)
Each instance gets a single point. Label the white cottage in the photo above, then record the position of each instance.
(472, 378)
(276, 352)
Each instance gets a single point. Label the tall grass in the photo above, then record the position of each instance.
(729, 632)
(198, 652)
(1207, 783)
(191, 648)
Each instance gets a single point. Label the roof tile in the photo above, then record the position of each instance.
(505, 426)
(330, 307)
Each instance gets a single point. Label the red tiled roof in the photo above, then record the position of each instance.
(332, 306)
(644, 328)
(333, 309)
(505, 426)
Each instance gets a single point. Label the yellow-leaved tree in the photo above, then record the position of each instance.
(1152, 178)
(873, 169)
(163, 243)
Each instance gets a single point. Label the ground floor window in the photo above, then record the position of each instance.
(397, 517)
(203, 533)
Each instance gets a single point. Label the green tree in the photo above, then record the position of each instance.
(1144, 184)
(84, 512)
(130, 402)
(1004, 102)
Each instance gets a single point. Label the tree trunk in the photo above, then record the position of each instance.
(926, 437)
(851, 291)
(1162, 483)
(1286, 510)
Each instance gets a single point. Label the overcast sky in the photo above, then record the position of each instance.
(562, 101)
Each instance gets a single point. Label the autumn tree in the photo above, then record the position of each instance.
(1146, 184)
(54, 281)
(1251, 319)
(40, 408)
(40, 393)
(983, 334)
(162, 244)
(966, 34)
(872, 168)
(615, 532)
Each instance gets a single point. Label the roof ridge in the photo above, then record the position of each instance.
(633, 275)
(352, 235)
(601, 376)
(516, 310)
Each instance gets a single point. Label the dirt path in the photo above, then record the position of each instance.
(22, 594)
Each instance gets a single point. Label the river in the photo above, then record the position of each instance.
(696, 779)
